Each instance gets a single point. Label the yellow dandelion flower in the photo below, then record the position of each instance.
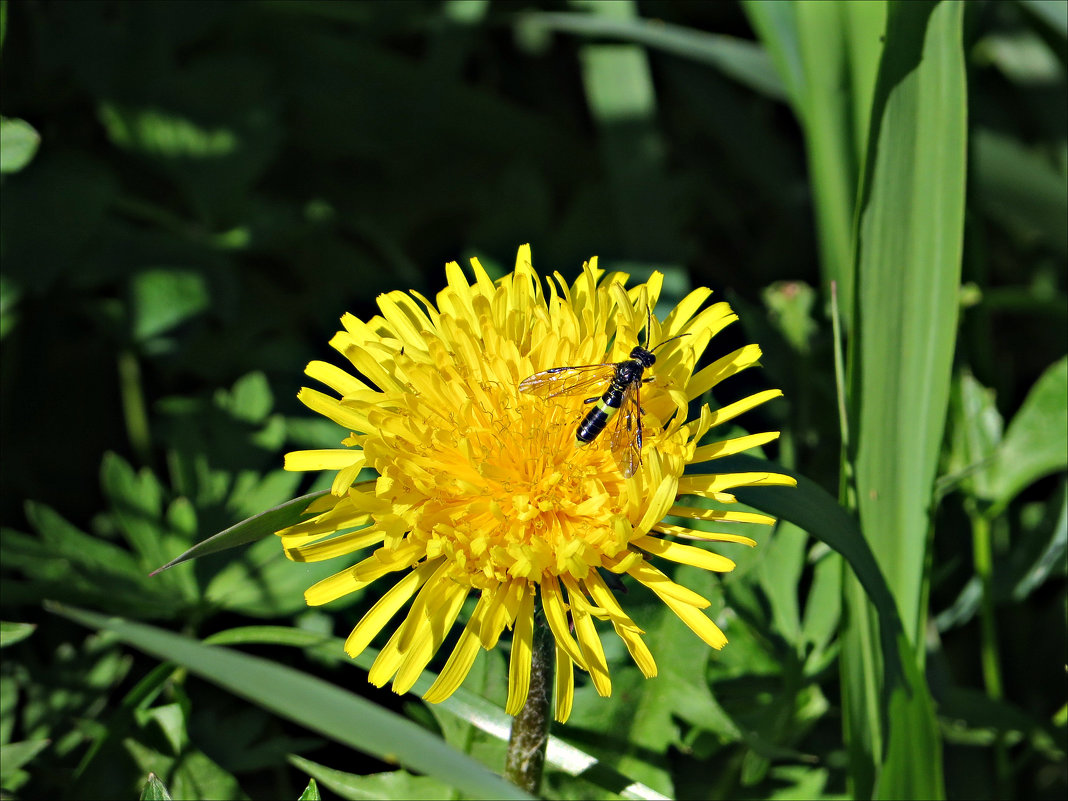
(481, 487)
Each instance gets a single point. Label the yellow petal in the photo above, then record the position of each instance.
(552, 602)
(338, 546)
(520, 660)
(719, 482)
(704, 536)
(727, 447)
(460, 660)
(430, 636)
(732, 410)
(385, 608)
(588, 641)
(345, 478)
(565, 685)
(664, 587)
(323, 459)
(720, 515)
(387, 662)
(720, 369)
(697, 621)
(332, 409)
(342, 382)
(360, 575)
(685, 554)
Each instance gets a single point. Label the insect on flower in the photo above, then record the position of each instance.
(621, 399)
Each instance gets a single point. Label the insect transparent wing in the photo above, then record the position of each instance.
(567, 380)
(626, 438)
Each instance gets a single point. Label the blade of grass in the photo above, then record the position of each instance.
(909, 244)
(622, 101)
(254, 528)
(827, 55)
(313, 703)
(744, 61)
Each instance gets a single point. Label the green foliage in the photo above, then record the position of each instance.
(191, 200)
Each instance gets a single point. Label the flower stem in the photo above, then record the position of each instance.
(984, 568)
(530, 729)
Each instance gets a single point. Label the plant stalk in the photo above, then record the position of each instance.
(525, 759)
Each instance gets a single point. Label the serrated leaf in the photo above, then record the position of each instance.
(14, 755)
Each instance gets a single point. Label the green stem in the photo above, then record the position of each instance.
(133, 406)
(530, 729)
(982, 555)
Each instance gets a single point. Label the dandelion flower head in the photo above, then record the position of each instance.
(481, 490)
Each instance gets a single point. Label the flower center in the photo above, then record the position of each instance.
(492, 479)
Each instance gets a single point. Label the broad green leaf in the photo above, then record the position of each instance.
(18, 144)
(254, 528)
(1036, 441)
(823, 610)
(312, 703)
(11, 633)
(911, 217)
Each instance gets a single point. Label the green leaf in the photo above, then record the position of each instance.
(18, 144)
(394, 784)
(154, 790)
(11, 633)
(1036, 442)
(909, 245)
(311, 792)
(740, 59)
(465, 705)
(14, 755)
(621, 96)
(905, 690)
(780, 572)
(1022, 190)
(827, 55)
(254, 528)
(164, 297)
(312, 703)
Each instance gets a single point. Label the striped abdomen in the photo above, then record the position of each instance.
(607, 407)
(597, 418)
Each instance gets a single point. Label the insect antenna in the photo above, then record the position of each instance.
(677, 336)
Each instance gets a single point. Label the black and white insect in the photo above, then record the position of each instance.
(620, 399)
